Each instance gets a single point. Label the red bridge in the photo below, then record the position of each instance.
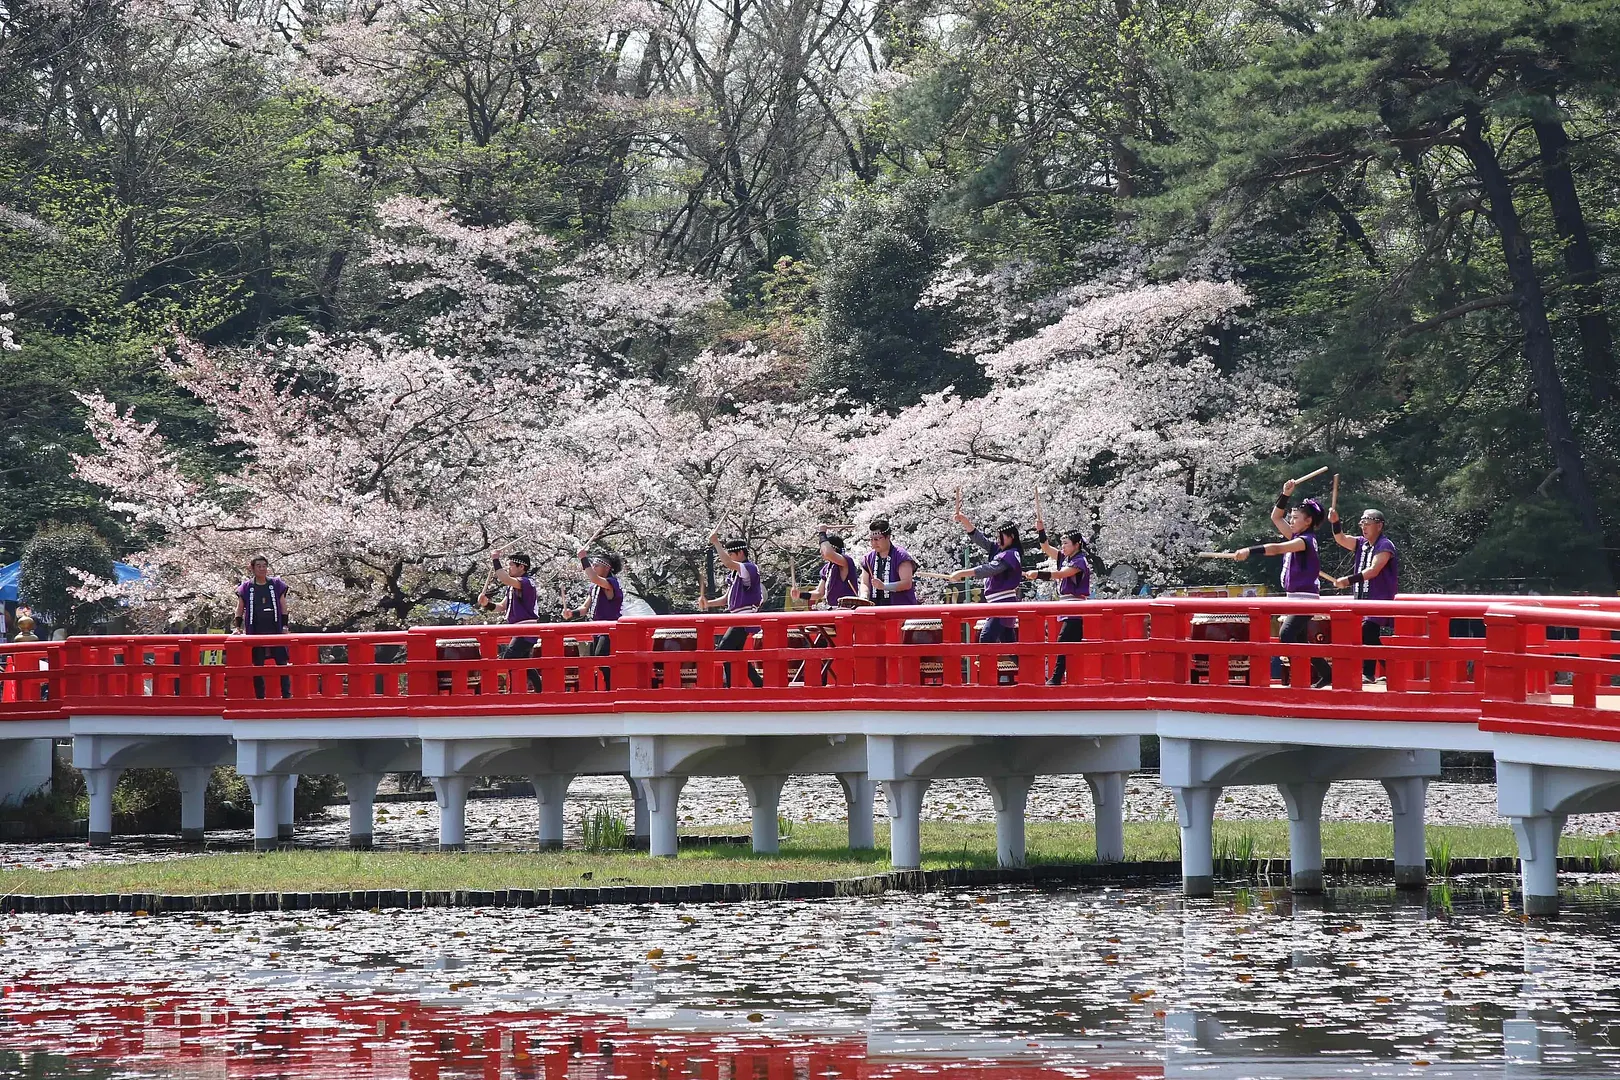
(891, 696)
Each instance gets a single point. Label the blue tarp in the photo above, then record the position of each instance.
(11, 577)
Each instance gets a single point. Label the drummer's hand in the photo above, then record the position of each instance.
(1031, 575)
(1288, 487)
(703, 603)
(1040, 523)
(961, 575)
(568, 613)
(1341, 583)
(1240, 554)
(483, 600)
(963, 520)
(583, 553)
(714, 537)
(1333, 515)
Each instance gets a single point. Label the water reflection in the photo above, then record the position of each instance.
(1003, 986)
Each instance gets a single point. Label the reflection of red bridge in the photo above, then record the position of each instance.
(893, 696)
(396, 1039)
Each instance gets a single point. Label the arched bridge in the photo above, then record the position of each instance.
(891, 696)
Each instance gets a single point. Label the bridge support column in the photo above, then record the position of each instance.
(1108, 803)
(662, 795)
(905, 821)
(765, 797)
(1407, 798)
(266, 790)
(362, 791)
(550, 790)
(1304, 802)
(1538, 861)
(1195, 813)
(641, 827)
(859, 794)
(193, 781)
(451, 794)
(1010, 794)
(100, 784)
(284, 807)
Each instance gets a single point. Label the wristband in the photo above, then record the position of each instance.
(585, 562)
(1282, 501)
(1356, 578)
(1257, 552)
(1338, 527)
(1040, 536)
(1043, 575)
(495, 561)
(237, 622)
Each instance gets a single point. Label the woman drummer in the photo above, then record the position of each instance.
(1001, 573)
(1073, 575)
(838, 570)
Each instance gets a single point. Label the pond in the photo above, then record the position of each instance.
(1007, 985)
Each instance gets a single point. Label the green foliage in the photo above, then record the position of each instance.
(875, 341)
(604, 830)
(48, 579)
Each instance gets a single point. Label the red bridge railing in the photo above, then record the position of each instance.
(1188, 654)
(1552, 671)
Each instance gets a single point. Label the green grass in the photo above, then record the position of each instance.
(813, 852)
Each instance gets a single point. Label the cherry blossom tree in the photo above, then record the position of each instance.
(1133, 434)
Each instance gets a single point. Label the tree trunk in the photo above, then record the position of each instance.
(1597, 342)
(1539, 354)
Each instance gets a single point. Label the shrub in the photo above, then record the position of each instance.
(48, 579)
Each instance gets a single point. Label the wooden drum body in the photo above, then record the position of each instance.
(926, 632)
(675, 639)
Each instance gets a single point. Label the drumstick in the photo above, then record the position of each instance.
(1215, 555)
(1329, 578)
(1333, 503)
(1310, 476)
(934, 574)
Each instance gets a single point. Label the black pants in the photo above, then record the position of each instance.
(602, 645)
(277, 654)
(1372, 633)
(997, 631)
(1072, 630)
(735, 640)
(517, 649)
(1297, 628)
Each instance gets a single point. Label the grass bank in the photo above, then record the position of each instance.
(810, 853)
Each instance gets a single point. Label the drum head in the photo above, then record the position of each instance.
(850, 602)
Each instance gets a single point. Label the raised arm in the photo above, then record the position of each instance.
(732, 562)
(1282, 548)
(1340, 537)
(1279, 513)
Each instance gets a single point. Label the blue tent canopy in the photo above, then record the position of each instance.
(11, 578)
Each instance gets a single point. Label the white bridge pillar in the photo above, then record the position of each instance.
(765, 797)
(266, 789)
(193, 781)
(860, 792)
(451, 795)
(361, 788)
(1304, 802)
(641, 827)
(550, 791)
(1538, 861)
(100, 783)
(905, 799)
(1408, 796)
(663, 797)
(284, 807)
(1108, 805)
(1010, 794)
(1195, 813)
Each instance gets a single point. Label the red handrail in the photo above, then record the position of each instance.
(1202, 654)
(1564, 687)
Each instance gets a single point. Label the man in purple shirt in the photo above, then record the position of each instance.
(607, 601)
(521, 601)
(261, 608)
(1301, 565)
(887, 570)
(1376, 576)
(838, 571)
(746, 592)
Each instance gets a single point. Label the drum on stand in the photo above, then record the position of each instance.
(459, 649)
(1227, 626)
(798, 637)
(926, 632)
(675, 639)
(571, 647)
(1006, 666)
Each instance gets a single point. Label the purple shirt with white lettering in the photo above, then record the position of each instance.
(1001, 587)
(886, 568)
(1077, 587)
